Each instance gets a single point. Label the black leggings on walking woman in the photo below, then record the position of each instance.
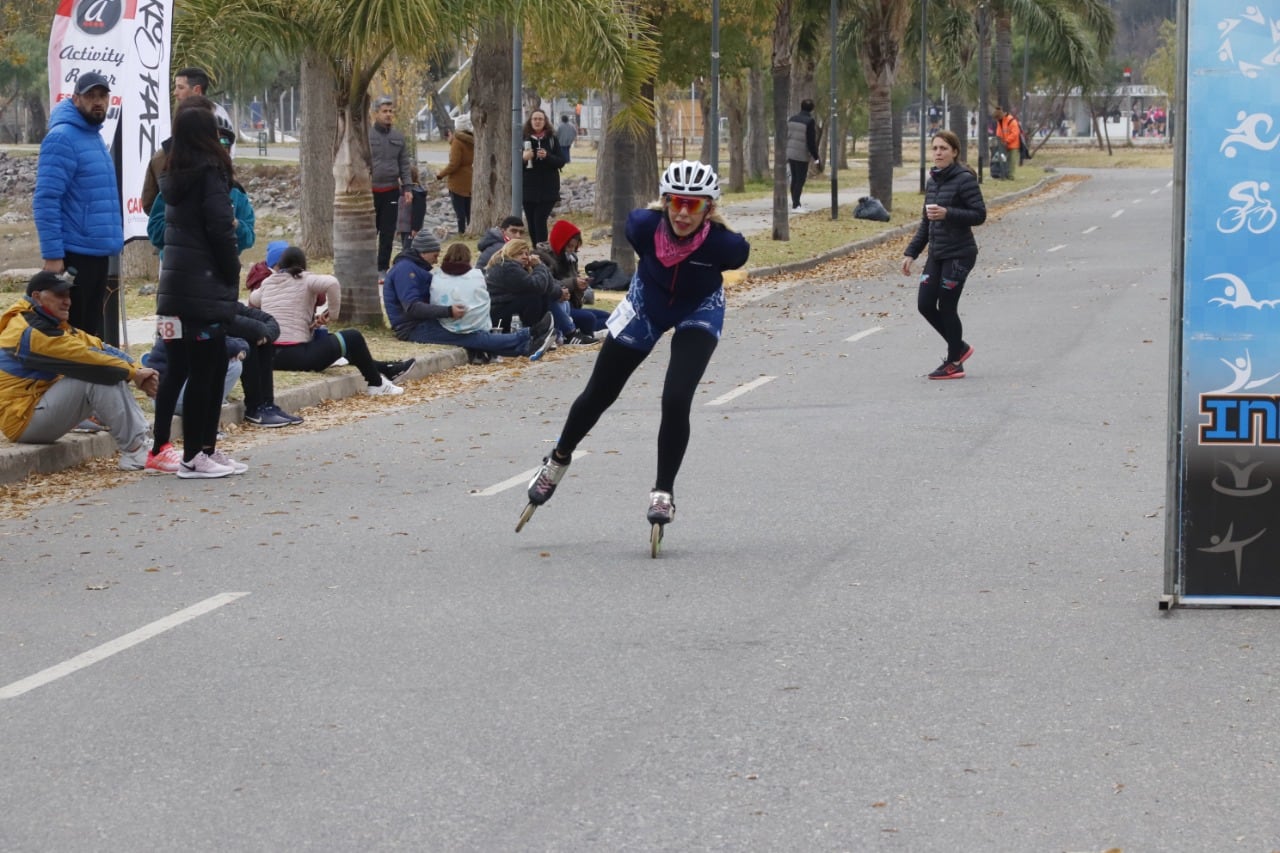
(691, 351)
(941, 284)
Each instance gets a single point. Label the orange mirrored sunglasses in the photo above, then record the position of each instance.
(694, 204)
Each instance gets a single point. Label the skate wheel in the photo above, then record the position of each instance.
(655, 540)
(525, 516)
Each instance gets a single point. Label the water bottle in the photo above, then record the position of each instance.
(516, 325)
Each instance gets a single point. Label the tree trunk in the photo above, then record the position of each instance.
(757, 127)
(704, 110)
(1004, 57)
(644, 188)
(623, 144)
(898, 131)
(139, 260)
(735, 100)
(606, 157)
(355, 236)
(318, 120)
(958, 119)
(490, 96)
(880, 163)
(781, 89)
(37, 121)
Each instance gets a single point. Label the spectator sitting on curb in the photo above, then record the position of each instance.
(259, 271)
(53, 376)
(512, 228)
(305, 343)
(560, 255)
(451, 307)
(520, 285)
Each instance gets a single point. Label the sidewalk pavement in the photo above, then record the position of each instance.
(752, 217)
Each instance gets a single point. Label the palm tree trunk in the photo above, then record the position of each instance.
(606, 158)
(880, 162)
(317, 122)
(355, 237)
(490, 94)
(1004, 57)
(958, 121)
(781, 89)
(622, 143)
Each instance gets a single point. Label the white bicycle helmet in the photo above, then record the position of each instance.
(225, 130)
(689, 177)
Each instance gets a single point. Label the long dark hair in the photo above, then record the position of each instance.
(195, 144)
(293, 261)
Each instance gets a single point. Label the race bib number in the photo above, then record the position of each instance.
(621, 316)
(169, 328)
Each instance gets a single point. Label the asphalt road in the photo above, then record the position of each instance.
(892, 614)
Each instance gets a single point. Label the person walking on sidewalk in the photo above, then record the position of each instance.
(458, 172)
(684, 246)
(953, 206)
(53, 375)
(802, 148)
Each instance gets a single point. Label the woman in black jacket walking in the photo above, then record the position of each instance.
(199, 286)
(953, 205)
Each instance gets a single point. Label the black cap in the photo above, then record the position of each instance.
(91, 80)
(45, 280)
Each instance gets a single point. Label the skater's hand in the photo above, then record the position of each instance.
(906, 265)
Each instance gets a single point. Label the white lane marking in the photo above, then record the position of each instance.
(521, 479)
(119, 644)
(1156, 191)
(863, 334)
(1136, 201)
(1056, 248)
(1090, 229)
(740, 390)
(1118, 213)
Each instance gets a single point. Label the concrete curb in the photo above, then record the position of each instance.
(17, 461)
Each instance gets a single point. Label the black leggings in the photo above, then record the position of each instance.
(939, 298)
(536, 214)
(326, 348)
(200, 360)
(799, 174)
(691, 351)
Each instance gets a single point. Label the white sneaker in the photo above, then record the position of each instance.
(223, 459)
(386, 389)
(134, 460)
(341, 362)
(799, 210)
(203, 468)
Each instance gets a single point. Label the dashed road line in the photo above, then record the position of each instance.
(117, 645)
(863, 334)
(740, 390)
(521, 479)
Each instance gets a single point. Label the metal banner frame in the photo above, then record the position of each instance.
(1223, 507)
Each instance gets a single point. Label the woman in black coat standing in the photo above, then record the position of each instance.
(953, 205)
(199, 286)
(543, 160)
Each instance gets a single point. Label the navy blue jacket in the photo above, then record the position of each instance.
(697, 276)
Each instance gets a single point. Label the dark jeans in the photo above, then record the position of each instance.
(529, 307)
(799, 174)
(89, 296)
(691, 351)
(461, 210)
(536, 214)
(938, 299)
(386, 215)
(259, 384)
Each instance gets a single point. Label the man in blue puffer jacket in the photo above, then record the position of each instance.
(77, 203)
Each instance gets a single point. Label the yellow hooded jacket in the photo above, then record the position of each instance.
(36, 350)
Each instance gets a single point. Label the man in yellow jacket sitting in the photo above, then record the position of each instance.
(1009, 132)
(53, 376)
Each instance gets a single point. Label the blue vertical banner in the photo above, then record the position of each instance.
(1228, 465)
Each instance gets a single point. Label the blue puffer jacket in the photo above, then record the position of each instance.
(76, 204)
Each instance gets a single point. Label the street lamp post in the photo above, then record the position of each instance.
(715, 85)
(832, 151)
(924, 88)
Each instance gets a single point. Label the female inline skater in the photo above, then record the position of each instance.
(683, 246)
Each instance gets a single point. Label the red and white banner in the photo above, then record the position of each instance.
(128, 42)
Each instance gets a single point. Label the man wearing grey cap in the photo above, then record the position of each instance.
(455, 309)
(77, 203)
(392, 181)
(53, 376)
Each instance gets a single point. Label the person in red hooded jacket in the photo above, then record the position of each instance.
(560, 255)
